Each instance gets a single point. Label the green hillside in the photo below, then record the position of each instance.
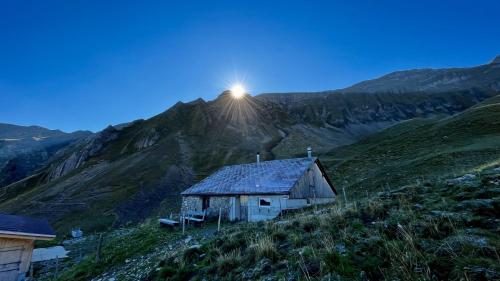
(420, 149)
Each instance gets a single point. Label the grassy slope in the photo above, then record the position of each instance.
(427, 230)
(420, 149)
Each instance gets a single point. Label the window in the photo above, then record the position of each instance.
(206, 203)
(264, 202)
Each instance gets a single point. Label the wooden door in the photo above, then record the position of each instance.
(10, 262)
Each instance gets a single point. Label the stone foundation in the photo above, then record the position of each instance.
(195, 203)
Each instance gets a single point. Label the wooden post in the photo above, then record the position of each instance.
(98, 251)
(218, 222)
(183, 223)
(345, 198)
(280, 208)
(57, 267)
(315, 203)
(170, 215)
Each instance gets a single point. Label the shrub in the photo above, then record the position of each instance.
(191, 255)
(334, 262)
(265, 247)
(167, 272)
(309, 226)
(175, 274)
(279, 235)
(228, 262)
(233, 243)
(296, 240)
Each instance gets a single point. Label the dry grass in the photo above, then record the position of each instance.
(265, 247)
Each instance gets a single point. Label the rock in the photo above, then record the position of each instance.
(418, 206)
(445, 214)
(195, 246)
(467, 179)
(472, 240)
(478, 206)
(481, 273)
(262, 267)
(341, 249)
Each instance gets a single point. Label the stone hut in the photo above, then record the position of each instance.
(261, 190)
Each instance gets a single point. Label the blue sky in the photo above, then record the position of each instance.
(87, 64)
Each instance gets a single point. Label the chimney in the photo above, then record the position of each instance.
(309, 152)
(258, 157)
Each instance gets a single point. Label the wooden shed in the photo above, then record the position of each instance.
(17, 236)
(261, 190)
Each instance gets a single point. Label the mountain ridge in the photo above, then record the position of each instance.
(128, 172)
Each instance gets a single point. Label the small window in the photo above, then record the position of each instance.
(264, 202)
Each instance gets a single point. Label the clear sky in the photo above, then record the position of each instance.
(86, 64)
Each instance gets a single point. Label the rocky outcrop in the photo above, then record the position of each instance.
(24, 150)
(77, 158)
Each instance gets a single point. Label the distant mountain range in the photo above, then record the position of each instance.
(24, 149)
(126, 173)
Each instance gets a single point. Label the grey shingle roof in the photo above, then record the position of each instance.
(266, 177)
(25, 226)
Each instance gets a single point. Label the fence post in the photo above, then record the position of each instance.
(98, 252)
(281, 216)
(57, 267)
(218, 222)
(183, 223)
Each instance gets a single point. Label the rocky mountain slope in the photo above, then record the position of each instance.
(24, 149)
(433, 80)
(126, 173)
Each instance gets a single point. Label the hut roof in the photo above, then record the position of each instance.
(11, 225)
(266, 177)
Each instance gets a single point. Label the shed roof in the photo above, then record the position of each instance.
(11, 225)
(266, 177)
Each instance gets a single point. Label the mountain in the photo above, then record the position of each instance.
(433, 80)
(129, 172)
(24, 149)
(419, 150)
(370, 106)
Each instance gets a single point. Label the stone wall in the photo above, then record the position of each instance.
(195, 203)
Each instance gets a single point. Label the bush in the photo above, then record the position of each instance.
(171, 273)
(233, 244)
(310, 262)
(191, 255)
(279, 235)
(334, 262)
(296, 240)
(309, 226)
(264, 247)
(166, 272)
(228, 262)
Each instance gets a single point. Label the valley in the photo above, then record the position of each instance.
(126, 173)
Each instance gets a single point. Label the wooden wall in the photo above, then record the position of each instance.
(312, 185)
(15, 258)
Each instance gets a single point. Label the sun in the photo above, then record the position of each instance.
(237, 91)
